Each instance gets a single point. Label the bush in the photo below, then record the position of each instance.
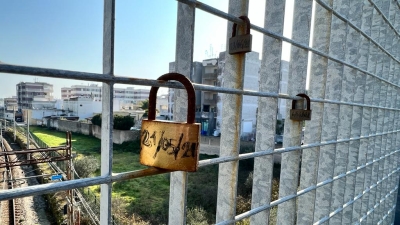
(96, 120)
(86, 166)
(196, 216)
(121, 216)
(123, 122)
(120, 122)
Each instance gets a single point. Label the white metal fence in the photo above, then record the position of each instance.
(347, 170)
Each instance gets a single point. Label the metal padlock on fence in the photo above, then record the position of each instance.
(168, 144)
(240, 43)
(301, 114)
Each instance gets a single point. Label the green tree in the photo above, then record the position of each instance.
(144, 105)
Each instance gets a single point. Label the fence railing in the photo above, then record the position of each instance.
(344, 54)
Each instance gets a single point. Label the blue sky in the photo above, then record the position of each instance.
(68, 35)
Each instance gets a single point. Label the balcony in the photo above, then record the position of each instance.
(210, 101)
(210, 76)
(32, 90)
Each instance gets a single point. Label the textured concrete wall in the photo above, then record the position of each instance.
(119, 136)
(73, 126)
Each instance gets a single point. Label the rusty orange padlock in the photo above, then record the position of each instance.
(169, 144)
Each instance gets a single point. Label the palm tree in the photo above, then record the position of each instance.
(145, 105)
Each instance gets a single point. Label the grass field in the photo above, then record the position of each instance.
(148, 197)
(149, 191)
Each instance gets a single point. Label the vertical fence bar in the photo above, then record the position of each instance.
(183, 65)
(352, 56)
(392, 99)
(372, 67)
(312, 131)
(328, 166)
(386, 120)
(107, 113)
(363, 177)
(381, 145)
(394, 76)
(231, 121)
(344, 92)
(296, 84)
(267, 107)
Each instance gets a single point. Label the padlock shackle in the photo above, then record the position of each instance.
(190, 92)
(246, 20)
(303, 96)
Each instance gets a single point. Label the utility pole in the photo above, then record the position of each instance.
(5, 121)
(28, 155)
(14, 124)
(1, 134)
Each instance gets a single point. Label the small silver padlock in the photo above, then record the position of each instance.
(301, 114)
(240, 43)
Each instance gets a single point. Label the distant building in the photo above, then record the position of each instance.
(10, 103)
(82, 91)
(81, 107)
(162, 105)
(209, 104)
(283, 89)
(28, 92)
(250, 103)
(93, 91)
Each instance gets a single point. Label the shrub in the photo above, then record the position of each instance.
(96, 120)
(121, 216)
(196, 216)
(123, 122)
(120, 122)
(86, 165)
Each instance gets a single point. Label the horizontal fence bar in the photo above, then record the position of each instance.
(299, 193)
(67, 74)
(323, 4)
(384, 17)
(66, 185)
(237, 20)
(371, 210)
(72, 184)
(325, 219)
(208, 162)
(387, 214)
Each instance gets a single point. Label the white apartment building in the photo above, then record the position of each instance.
(93, 91)
(83, 91)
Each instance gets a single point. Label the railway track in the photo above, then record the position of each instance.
(11, 210)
